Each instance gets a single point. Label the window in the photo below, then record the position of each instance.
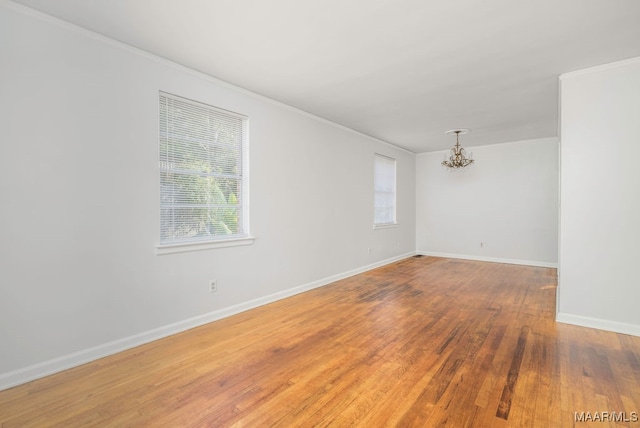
(202, 182)
(384, 185)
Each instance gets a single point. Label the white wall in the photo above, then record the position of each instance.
(600, 193)
(507, 200)
(80, 201)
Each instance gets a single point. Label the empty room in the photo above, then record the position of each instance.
(319, 213)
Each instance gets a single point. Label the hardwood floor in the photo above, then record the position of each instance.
(422, 342)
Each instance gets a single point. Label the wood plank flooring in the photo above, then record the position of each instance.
(424, 342)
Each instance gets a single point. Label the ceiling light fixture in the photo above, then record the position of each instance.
(457, 155)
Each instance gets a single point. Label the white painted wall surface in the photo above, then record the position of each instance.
(80, 201)
(507, 200)
(600, 193)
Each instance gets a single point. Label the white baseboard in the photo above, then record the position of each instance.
(600, 324)
(45, 368)
(489, 259)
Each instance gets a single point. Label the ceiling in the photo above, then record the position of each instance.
(403, 71)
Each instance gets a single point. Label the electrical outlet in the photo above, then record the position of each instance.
(213, 285)
(370, 250)
(482, 245)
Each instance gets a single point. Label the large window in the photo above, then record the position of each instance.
(384, 184)
(202, 180)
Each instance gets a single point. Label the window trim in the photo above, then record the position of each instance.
(184, 247)
(225, 240)
(385, 225)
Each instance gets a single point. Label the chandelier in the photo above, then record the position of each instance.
(457, 155)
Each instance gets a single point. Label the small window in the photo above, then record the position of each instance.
(202, 180)
(384, 184)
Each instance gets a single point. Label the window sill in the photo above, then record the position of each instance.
(199, 246)
(384, 226)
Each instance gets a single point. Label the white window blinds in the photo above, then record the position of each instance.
(384, 182)
(201, 172)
